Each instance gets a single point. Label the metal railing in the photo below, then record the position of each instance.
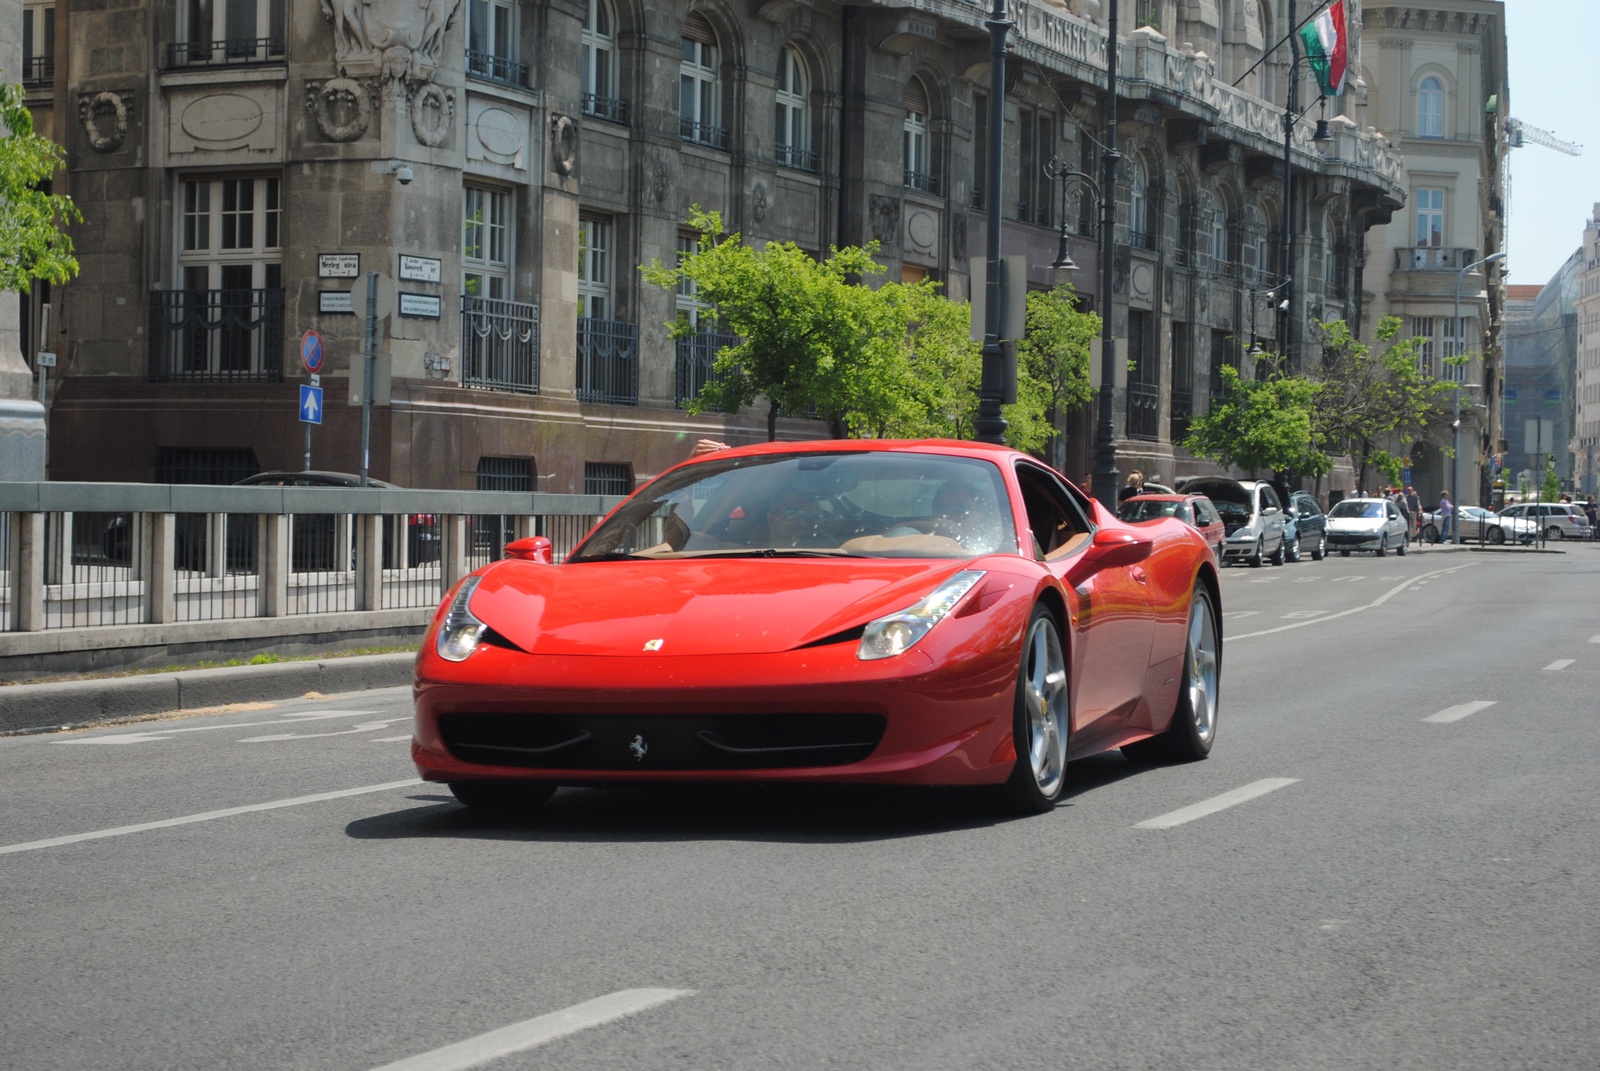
(1144, 411)
(1433, 258)
(697, 361)
(715, 137)
(38, 70)
(1142, 239)
(1182, 413)
(611, 109)
(794, 158)
(231, 52)
(921, 181)
(608, 361)
(94, 555)
(216, 335)
(492, 68)
(499, 345)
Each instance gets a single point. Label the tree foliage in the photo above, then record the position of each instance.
(1053, 358)
(33, 243)
(894, 361)
(1261, 425)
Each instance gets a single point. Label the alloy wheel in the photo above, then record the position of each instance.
(1045, 707)
(1203, 670)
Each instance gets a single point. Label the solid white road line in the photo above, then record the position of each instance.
(1217, 803)
(1379, 601)
(1561, 663)
(162, 734)
(1456, 713)
(206, 816)
(531, 1033)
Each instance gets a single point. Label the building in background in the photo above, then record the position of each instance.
(1540, 374)
(507, 167)
(1586, 313)
(1436, 83)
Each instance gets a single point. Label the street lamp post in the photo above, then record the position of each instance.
(1455, 461)
(1105, 447)
(990, 423)
(1286, 268)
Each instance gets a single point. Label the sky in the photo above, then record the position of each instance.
(1552, 69)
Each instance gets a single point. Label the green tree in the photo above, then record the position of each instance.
(1372, 398)
(33, 244)
(1550, 489)
(1053, 359)
(1261, 425)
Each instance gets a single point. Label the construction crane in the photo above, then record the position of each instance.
(1519, 133)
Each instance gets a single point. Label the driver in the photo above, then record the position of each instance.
(793, 520)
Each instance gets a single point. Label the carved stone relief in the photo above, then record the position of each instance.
(660, 179)
(497, 133)
(958, 239)
(203, 120)
(759, 202)
(433, 109)
(341, 107)
(105, 118)
(563, 144)
(883, 218)
(922, 231)
(400, 40)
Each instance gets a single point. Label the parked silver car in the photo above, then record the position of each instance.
(1558, 520)
(1367, 524)
(1251, 513)
(1478, 525)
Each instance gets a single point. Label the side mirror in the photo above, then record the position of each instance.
(532, 549)
(1270, 511)
(1111, 547)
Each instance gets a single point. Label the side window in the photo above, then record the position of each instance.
(1204, 511)
(1059, 527)
(1183, 513)
(1269, 499)
(1307, 505)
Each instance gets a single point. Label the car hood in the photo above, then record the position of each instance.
(1356, 524)
(695, 607)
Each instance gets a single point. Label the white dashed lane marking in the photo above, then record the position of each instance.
(531, 1033)
(1461, 710)
(1560, 663)
(1217, 803)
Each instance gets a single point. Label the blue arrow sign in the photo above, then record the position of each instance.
(310, 404)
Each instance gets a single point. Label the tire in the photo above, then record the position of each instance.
(1255, 559)
(1405, 544)
(1383, 548)
(1497, 535)
(1279, 554)
(502, 797)
(1554, 533)
(1040, 720)
(1320, 551)
(1429, 533)
(1194, 721)
(1292, 551)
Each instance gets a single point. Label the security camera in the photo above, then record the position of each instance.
(1284, 305)
(404, 175)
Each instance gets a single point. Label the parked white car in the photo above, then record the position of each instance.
(1367, 524)
(1558, 520)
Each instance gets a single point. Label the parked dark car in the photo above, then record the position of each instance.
(1310, 527)
(314, 532)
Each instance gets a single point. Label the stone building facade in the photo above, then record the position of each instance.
(1435, 80)
(507, 166)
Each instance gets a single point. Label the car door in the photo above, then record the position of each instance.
(1210, 524)
(1271, 513)
(1109, 606)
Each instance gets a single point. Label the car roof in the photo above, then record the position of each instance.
(321, 477)
(1160, 498)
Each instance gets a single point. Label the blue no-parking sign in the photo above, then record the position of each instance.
(311, 353)
(310, 405)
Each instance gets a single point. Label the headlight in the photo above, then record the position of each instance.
(895, 633)
(460, 632)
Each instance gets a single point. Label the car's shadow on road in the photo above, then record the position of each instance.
(784, 813)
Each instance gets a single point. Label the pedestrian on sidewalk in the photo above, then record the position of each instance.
(1414, 505)
(1134, 486)
(1447, 517)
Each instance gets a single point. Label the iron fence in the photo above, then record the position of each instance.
(798, 159)
(611, 109)
(697, 364)
(38, 70)
(1144, 411)
(232, 52)
(216, 335)
(715, 137)
(608, 361)
(921, 181)
(499, 345)
(1182, 413)
(492, 68)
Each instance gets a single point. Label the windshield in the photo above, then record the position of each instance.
(1134, 511)
(1349, 508)
(877, 504)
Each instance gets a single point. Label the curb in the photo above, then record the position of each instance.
(72, 704)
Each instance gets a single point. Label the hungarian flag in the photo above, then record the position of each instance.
(1328, 48)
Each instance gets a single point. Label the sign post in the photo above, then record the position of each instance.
(311, 356)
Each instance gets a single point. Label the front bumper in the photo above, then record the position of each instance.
(1355, 540)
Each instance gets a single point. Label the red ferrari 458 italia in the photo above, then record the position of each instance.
(930, 613)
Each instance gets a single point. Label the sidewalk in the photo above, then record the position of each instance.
(71, 704)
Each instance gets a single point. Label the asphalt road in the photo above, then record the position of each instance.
(1411, 882)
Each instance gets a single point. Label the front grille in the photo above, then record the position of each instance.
(670, 741)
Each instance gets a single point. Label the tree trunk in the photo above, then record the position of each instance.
(836, 426)
(772, 422)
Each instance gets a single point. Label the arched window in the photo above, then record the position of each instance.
(792, 130)
(918, 174)
(700, 85)
(1139, 207)
(1430, 109)
(1219, 233)
(600, 64)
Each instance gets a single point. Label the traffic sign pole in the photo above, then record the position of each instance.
(311, 356)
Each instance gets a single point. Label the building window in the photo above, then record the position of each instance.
(38, 45)
(1033, 189)
(232, 234)
(792, 131)
(492, 43)
(486, 243)
(229, 31)
(1422, 328)
(700, 86)
(603, 478)
(1430, 109)
(1139, 207)
(600, 64)
(915, 146)
(594, 269)
(504, 474)
(1453, 343)
(690, 307)
(1430, 218)
(1219, 236)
